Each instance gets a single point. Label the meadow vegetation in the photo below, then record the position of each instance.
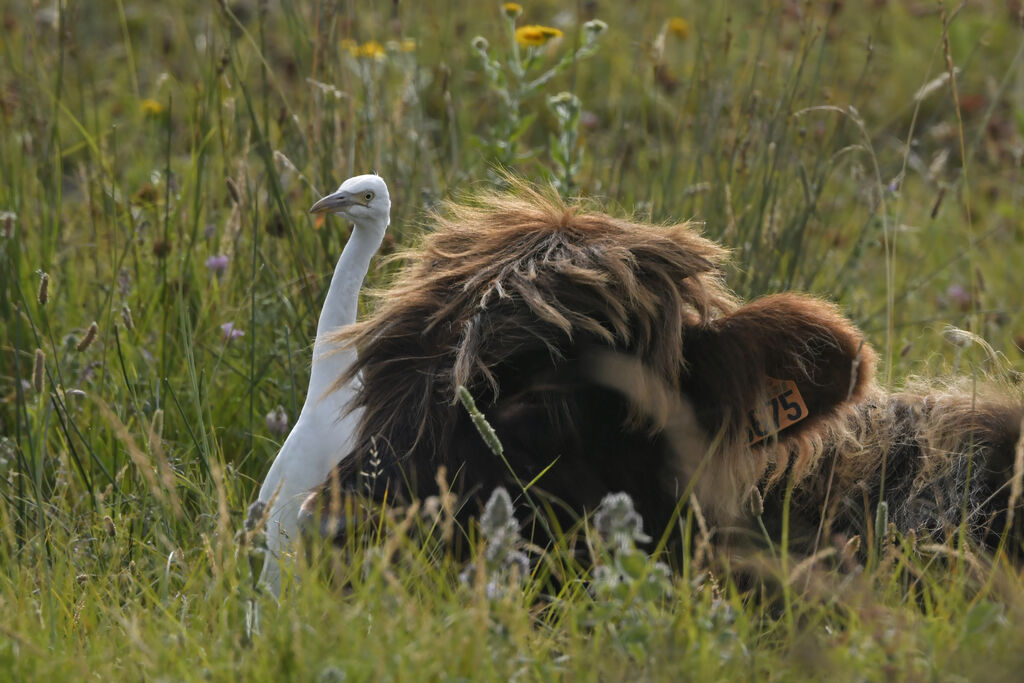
(160, 280)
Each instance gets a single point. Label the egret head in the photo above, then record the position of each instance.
(362, 199)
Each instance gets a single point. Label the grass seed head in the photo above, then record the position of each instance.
(236, 196)
(38, 368)
(44, 289)
(126, 316)
(756, 502)
(89, 338)
(158, 423)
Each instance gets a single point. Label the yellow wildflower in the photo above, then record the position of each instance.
(369, 49)
(151, 107)
(512, 9)
(407, 45)
(535, 36)
(680, 27)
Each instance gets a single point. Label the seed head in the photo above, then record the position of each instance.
(935, 84)
(126, 316)
(480, 421)
(594, 28)
(124, 281)
(158, 423)
(38, 368)
(236, 196)
(89, 338)
(44, 289)
(161, 248)
(957, 337)
(756, 502)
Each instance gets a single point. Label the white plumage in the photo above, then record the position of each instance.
(324, 431)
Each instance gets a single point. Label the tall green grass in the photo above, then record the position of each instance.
(141, 139)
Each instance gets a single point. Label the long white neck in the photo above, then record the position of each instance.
(340, 309)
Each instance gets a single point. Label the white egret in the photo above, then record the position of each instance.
(324, 431)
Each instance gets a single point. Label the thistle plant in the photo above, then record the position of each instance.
(629, 589)
(624, 572)
(504, 565)
(518, 74)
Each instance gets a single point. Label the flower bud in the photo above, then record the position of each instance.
(277, 421)
(512, 10)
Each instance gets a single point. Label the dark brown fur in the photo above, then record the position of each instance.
(939, 456)
(609, 356)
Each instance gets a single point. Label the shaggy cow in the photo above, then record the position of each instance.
(609, 355)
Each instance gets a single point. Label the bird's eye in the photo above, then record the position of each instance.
(368, 196)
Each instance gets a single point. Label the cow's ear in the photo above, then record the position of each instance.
(779, 365)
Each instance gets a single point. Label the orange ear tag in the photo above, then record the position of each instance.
(784, 407)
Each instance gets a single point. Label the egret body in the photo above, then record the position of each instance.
(324, 431)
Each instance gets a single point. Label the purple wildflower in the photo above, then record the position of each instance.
(589, 120)
(958, 296)
(230, 332)
(217, 264)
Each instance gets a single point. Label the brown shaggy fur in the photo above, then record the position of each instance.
(938, 455)
(517, 275)
(513, 295)
(609, 356)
